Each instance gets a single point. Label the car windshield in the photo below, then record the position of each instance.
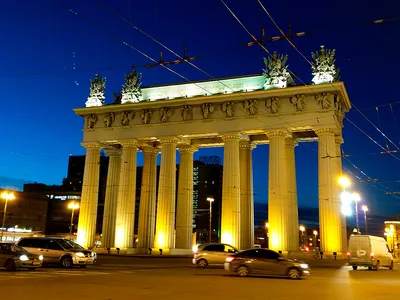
(69, 244)
(11, 248)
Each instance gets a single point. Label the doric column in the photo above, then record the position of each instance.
(293, 231)
(329, 205)
(279, 213)
(246, 195)
(147, 208)
(165, 218)
(89, 196)
(124, 229)
(110, 202)
(230, 219)
(339, 141)
(184, 210)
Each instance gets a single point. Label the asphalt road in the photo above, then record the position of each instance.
(170, 278)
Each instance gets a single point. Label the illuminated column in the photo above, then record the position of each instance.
(230, 219)
(147, 208)
(184, 210)
(110, 203)
(89, 196)
(293, 232)
(329, 205)
(124, 228)
(339, 141)
(246, 196)
(165, 218)
(279, 213)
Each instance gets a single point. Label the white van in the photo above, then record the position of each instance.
(369, 251)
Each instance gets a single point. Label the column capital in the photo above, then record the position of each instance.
(247, 145)
(339, 140)
(113, 151)
(231, 136)
(291, 142)
(91, 145)
(129, 144)
(147, 150)
(187, 148)
(325, 131)
(169, 140)
(276, 133)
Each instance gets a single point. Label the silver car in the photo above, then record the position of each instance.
(13, 257)
(265, 262)
(59, 251)
(212, 254)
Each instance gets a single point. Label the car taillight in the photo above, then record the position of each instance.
(229, 258)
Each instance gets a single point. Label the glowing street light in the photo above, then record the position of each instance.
(211, 200)
(344, 182)
(365, 209)
(5, 196)
(302, 229)
(315, 233)
(356, 197)
(266, 225)
(72, 206)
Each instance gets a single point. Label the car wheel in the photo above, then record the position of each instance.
(378, 266)
(66, 261)
(354, 268)
(391, 267)
(294, 273)
(242, 271)
(10, 265)
(202, 263)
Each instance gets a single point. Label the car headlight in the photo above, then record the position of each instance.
(93, 254)
(80, 254)
(23, 257)
(40, 257)
(304, 266)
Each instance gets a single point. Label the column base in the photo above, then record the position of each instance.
(114, 251)
(167, 251)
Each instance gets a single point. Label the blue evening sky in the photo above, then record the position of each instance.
(49, 55)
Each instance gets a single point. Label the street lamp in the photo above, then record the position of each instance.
(365, 209)
(302, 229)
(315, 233)
(5, 196)
(356, 197)
(211, 200)
(72, 206)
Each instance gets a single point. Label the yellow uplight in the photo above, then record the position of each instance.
(344, 181)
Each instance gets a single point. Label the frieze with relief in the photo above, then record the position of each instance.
(187, 113)
(272, 105)
(228, 108)
(207, 109)
(299, 102)
(91, 121)
(165, 114)
(109, 119)
(146, 116)
(325, 100)
(126, 117)
(251, 106)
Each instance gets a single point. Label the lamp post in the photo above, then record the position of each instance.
(72, 206)
(315, 233)
(302, 229)
(5, 196)
(211, 200)
(266, 234)
(356, 197)
(365, 209)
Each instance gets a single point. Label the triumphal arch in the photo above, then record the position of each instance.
(237, 114)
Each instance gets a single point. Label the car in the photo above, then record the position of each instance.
(59, 251)
(369, 251)
(212, 254)
(13, 257)
(265, 262)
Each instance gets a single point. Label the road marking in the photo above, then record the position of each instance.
(43, 274)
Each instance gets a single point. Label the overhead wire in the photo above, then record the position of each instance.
(268, 52)
(312, 65)
(126, 42)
